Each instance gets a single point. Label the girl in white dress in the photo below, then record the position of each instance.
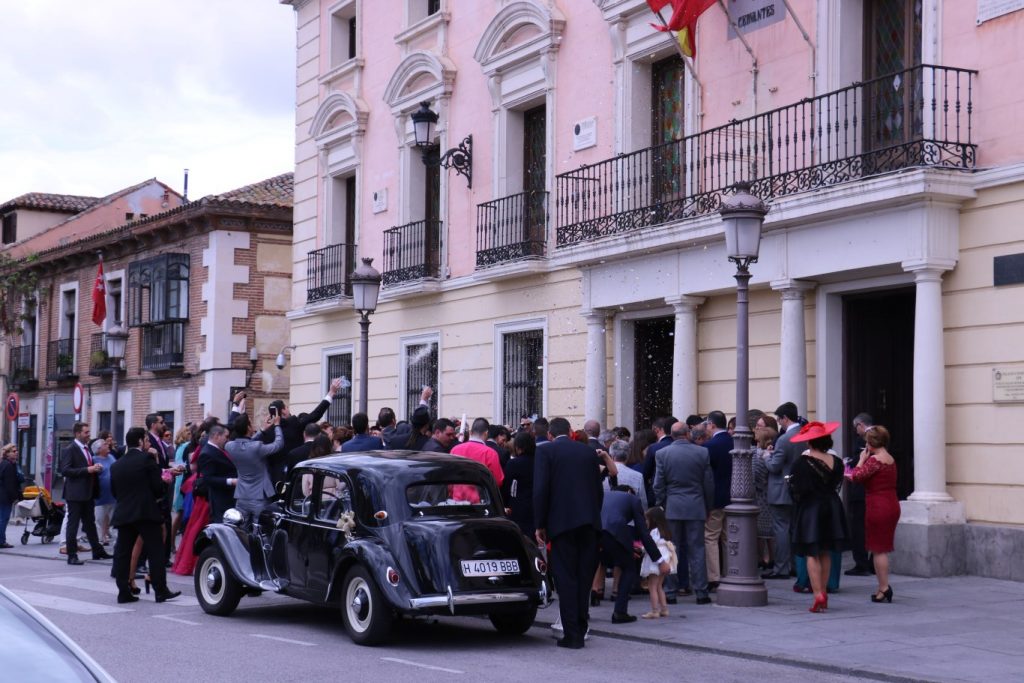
(662, 536)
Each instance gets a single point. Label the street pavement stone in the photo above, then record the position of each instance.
(962, 628)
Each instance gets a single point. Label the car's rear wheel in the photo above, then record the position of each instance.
(514, 623)
(217, 590)
(366, 613)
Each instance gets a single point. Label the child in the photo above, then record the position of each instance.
(658, 526)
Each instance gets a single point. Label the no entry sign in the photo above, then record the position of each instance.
(77, 397)
(12, 406)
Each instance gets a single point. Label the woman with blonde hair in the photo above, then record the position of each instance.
(876, 471)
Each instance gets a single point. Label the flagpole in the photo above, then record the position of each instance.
(691, 66)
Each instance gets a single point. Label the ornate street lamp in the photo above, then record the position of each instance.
(741, 586)
(115, 340)
(365, 289)
(460, 158)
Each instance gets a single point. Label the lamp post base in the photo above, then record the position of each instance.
(741, 585)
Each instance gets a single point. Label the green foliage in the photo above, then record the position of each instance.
(19, 281)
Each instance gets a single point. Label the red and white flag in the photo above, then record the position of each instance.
(99, 298)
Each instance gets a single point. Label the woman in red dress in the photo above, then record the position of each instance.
(876, 471)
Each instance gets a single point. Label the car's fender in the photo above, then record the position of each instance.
(374, 555)
(233, 544)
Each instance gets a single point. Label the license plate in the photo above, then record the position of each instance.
(489, 567)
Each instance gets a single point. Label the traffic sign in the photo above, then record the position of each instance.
(78, 397)
(12, 406)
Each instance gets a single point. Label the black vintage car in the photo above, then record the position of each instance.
(381, 534)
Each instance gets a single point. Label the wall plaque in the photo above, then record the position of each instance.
(990, 9)
(1007, 385)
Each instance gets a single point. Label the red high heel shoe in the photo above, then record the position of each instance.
(820, 603)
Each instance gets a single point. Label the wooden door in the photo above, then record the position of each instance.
(878, 375)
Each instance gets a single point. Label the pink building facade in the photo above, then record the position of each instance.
(576, 267)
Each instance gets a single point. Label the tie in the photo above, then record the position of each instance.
(88, 455)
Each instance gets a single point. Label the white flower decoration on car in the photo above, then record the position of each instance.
(347, 523)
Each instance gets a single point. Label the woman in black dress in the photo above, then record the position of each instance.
(819, 524)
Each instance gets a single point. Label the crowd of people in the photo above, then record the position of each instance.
(646, 510)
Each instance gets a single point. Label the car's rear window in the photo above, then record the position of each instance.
(450, 498)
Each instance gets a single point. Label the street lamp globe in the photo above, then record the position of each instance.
(365, 287)
(742, 216)
(116, 340)
(422, 121)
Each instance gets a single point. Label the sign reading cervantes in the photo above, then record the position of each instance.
(990, 9)
(750, 15)
(1007, 385)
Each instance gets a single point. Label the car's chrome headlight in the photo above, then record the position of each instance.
(233, 517)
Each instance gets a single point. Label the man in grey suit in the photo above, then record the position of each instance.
(250, 455)
(780, 464)
(685, 487)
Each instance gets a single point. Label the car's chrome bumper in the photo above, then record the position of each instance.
(452, 601)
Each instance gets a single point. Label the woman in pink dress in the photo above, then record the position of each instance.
(876, 471)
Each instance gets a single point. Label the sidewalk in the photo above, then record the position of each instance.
(962, 628)
(949, 629)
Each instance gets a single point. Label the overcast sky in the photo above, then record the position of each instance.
(102, 94)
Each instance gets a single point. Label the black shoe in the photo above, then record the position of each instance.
(685, 592)
(121, 599)
(857, 571)
(569, 643)
(774, 575)
(595, 599)
(169, 595)
(73, 559)
(704, 600)
(5, 546)
(102, 555)
(622, 618)
(712, 586)
(883, 596)
(673, 601)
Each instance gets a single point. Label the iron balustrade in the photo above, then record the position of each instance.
(511, 228)
(917, 117)
(163, 346)
(99, 361)
(23, 366)
(60, 360)
(412, 252)
(327, 272)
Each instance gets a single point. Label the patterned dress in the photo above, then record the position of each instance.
(881, 506)
(764, 510)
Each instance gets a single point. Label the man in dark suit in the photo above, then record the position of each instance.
(443, 438)
(567, 498)
(155, 426)
(362, 441)
(497, 438)
(780, 465)
(218, 474)
(684, 486)
(662, 428)
(592, 428)
(310, 432)
(623, 522)
(719, 447)
(81, 488)
(855, 502)
(136, 484)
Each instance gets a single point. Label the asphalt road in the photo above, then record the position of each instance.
(277, 638)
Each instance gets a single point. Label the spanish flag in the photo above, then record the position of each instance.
(684, 20)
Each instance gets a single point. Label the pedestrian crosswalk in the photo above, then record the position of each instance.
(89, 596)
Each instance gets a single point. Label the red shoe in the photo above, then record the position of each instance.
(820, 603)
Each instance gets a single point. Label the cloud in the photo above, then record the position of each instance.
(101, 95)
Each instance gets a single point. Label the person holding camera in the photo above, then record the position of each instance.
(253, 490)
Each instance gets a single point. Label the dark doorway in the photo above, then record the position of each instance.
(652, 375)
(878, 376)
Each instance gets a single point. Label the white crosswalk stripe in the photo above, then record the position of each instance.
(108, 588)
(63, 604)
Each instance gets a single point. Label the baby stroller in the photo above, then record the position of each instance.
(40, 508)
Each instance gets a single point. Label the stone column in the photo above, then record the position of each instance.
(929, 387)
(793, 351)
(930, 538)
(595, 391)
(684, 354)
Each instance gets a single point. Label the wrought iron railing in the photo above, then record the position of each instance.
(412, 252)
(917, 117)
(511, 228)
(23, 366)
(60, 360)
(327, 272)
(99, 361)
(163, 346)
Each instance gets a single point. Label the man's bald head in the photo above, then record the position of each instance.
(592, 428)
(680, 431)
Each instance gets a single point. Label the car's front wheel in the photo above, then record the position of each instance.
(366, 613)
(514, 623)
(217, 590)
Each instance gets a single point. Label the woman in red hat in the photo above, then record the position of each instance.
(819, 524)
